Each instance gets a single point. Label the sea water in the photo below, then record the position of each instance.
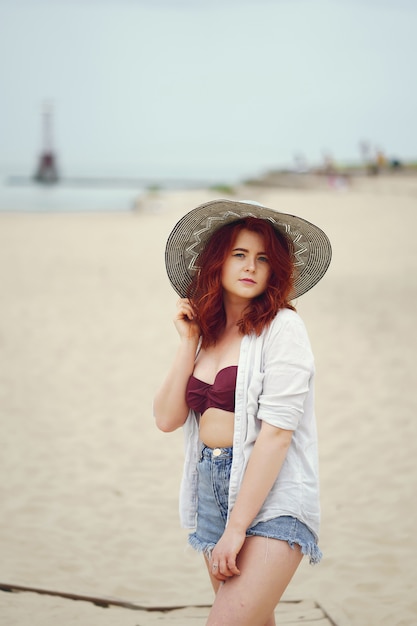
(26, 195)
(60, 197)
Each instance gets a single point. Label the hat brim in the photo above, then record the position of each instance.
(312, 249)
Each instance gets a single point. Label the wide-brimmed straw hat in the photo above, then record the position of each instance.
(312, 249)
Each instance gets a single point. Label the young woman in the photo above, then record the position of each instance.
(242, 385)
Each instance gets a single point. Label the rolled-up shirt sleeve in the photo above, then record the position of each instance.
(287, 371)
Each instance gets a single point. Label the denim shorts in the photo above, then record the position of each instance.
(213, 492)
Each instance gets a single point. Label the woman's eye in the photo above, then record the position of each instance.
(264, 259)
(239, 254)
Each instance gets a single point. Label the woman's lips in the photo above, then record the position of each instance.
(248, 280)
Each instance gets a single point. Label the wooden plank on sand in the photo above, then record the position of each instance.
(288, 613)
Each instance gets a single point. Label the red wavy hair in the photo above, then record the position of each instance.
(206, 292)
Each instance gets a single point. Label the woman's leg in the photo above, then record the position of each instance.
(267, 566)
(216, 584)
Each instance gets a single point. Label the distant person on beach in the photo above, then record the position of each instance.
(242, 387)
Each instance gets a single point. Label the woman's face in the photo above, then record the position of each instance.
(246, 271)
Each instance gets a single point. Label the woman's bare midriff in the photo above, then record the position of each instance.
(216, 428)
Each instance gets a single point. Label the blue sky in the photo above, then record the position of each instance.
(191, 88)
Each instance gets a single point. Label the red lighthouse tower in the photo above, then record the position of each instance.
(47, 171)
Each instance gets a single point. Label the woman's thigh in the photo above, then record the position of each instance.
(266, 566)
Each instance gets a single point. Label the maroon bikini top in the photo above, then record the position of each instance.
(201, 396)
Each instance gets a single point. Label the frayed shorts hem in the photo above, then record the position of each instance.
(308, 546)
(200, 545)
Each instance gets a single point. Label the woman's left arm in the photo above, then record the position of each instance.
(288, 368)
(266, 460)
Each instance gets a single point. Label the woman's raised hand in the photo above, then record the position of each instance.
(185, 320)
(170, 405)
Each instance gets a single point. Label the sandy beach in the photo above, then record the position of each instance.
(89, 486)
